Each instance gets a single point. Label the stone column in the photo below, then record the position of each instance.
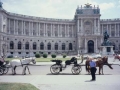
(44, 30)
(72, 31)
(96, 45)
(51, 30)
(14, 27)
(98, 26)
(39, 28)
(32, 29)
(102, 29)
(78, 25)
(118, 29)
(82, 26)
(94, 25)
(58, 30)
(17, 27)
(115, 29)
(101, 40)
(107, 28)
(9, 26)
(29, 29)
(65, 30)
(79, 44)
(22, 28)
(37, 31)
(110, 30)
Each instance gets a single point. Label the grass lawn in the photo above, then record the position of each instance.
(17, 86)
(43, 59)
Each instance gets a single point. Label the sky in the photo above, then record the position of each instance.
(60, 9)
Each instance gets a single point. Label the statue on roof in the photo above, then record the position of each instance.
(87, 5)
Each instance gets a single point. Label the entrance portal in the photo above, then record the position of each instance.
(90, 46)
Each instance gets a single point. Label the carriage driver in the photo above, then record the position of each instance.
(92, 68)
(1, 60)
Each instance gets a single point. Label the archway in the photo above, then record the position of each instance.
(90, 46)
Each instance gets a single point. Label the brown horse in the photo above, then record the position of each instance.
(99, 63)
(116, 56)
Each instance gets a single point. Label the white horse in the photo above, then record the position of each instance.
(23, 62)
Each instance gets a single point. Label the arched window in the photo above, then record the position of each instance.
(63, 46)
(70, 46)
(11, 45)
(19, 45)
(34, 46)
(56, 46)
(49, 46)
(41, 46)
(27, 45)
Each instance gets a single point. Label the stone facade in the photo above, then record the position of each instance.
(22, 35)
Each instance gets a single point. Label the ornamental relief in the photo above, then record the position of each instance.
(88, 27)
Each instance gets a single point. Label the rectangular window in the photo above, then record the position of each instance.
(19, 52)
(11, 52)
(27, 52)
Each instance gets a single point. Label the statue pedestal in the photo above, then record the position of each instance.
(107, 50)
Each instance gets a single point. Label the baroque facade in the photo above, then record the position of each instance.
(22, 35)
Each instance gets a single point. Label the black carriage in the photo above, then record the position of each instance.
(4, 67)
(59, 67)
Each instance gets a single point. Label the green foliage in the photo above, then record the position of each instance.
(53, 56)
(10, 56)
(37, 55)
(45, 55)
(64, 55)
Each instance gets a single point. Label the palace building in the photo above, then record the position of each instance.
(22, 35)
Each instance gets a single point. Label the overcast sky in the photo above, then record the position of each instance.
(61, 9)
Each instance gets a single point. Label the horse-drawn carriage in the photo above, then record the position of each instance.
(59, 67)
(4, 67)
(77, 68)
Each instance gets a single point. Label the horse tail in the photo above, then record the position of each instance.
(86, 66)
(109, 66)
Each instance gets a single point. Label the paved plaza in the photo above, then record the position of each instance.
(109, 81)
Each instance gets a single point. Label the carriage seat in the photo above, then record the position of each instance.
(72, 61)
(57, 61)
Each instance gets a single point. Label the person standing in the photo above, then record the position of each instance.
(92, 68)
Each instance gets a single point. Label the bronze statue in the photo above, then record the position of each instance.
(106, 36)
(106, 42)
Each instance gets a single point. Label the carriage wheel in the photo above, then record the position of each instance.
(5, 70)
(1, 71)
(76, 70)
(55, 69)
